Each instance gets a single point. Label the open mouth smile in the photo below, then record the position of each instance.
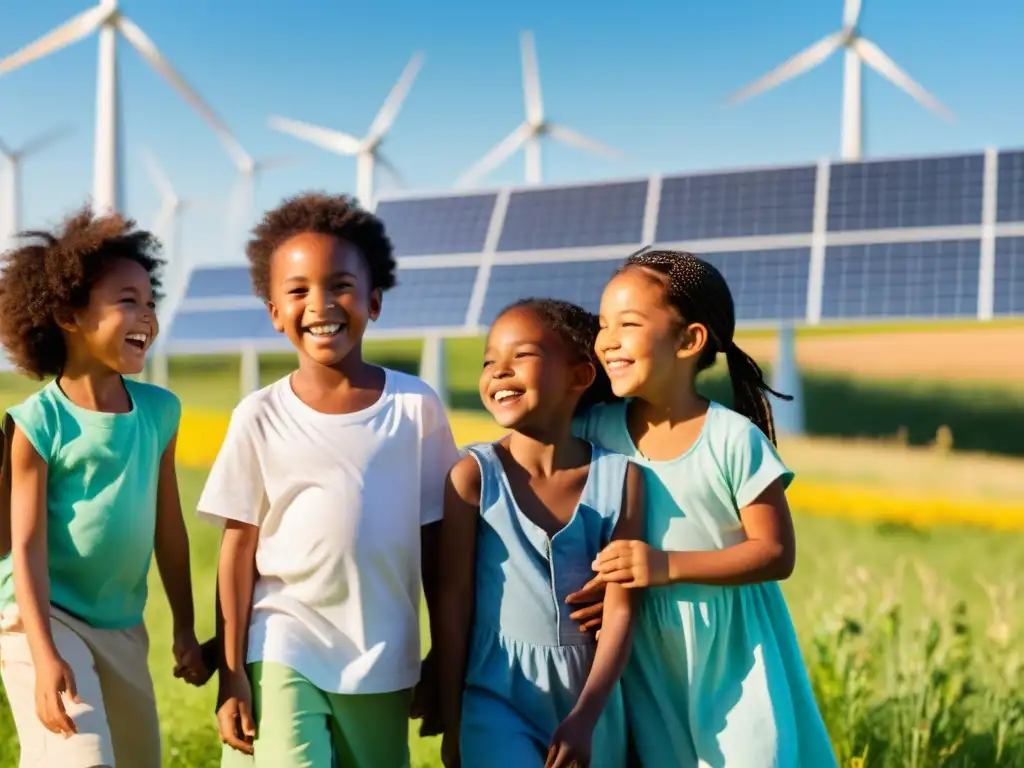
(617, 365)
(323, 330)
(137, 340)
(507, 397)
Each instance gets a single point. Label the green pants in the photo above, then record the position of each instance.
(300, 726)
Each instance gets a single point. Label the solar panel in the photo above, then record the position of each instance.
(1008, 298)
(927, 279)
(925, 192)
(423, 298)
(768, 202)
(222, 325)
(580, 282)
(219, 283)
(575, 217)
(1010, 187)
(766, 284)
(431, 226)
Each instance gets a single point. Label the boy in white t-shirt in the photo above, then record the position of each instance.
(330, 486)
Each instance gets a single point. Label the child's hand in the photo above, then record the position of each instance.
(450, 756)
(234, 716)
(633, 564)
(425, 704)
(188, 658)
(591, 597)
(571, 743)
(54, 681)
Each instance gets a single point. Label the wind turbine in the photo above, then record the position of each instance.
(243, 196)
(107, 19)
(367, 149)
(530, 132)
(14, 159)
(856, 49)
(167, 224)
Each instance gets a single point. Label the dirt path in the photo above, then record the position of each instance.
(979, 356)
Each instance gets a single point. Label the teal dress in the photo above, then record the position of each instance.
(716, 678)
(528, 662)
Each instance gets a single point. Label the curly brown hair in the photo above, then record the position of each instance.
(54, 272)
(336, 215)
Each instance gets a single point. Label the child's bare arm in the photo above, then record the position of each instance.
(173, 562)
(458, 591)
(617, 623)
(32, 583)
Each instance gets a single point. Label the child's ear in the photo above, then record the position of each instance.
(376, 302)
(66, 320)
(692, 340)
(583, 376)
(275, 317)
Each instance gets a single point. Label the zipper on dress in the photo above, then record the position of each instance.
(554, 593)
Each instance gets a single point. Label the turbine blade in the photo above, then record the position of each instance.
(851, 13)
(157, 175)
(389, 110)
(67, 33)
(388, 167)
(875, 58)
(163, 219)
(531, 80)
(499, 154)
(325, 138)
(5, 151)
(44, 140)
(281, 161)
(577, 139)
(146, 48)
(807, 59)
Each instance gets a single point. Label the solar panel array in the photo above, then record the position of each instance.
(916, 238)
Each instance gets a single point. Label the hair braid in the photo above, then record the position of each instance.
(700, 294)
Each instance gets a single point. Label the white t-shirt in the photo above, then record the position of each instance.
(339, 501)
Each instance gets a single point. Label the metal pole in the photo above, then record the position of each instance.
(432, 366)
(789, 414)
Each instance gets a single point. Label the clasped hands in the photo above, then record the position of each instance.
(631, 563)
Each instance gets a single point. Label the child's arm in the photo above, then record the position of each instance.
(172, 560)
(236, 574)
(32, 584)
(768, 554)
(574, 734)
(458, 591)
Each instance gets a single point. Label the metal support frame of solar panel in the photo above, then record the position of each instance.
(937, 233)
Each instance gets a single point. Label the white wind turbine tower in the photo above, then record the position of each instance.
(856, 49)
(106, 19)
(243, 196)
(14, 158)
(367, 149)
(167, 224)
(532, 130)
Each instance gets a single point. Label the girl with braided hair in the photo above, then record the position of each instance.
(716, 677)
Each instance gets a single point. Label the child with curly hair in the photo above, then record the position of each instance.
(330, 489)
(94, 496)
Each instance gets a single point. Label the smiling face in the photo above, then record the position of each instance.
(119, 324)
(529, 378)
(643, 343)
(321, 296)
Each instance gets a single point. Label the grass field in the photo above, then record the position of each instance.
(912, 635)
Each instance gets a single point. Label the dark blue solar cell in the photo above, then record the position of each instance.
(222, 325)
(750, 203)
(1010, 187)
(574, 217)
(1008, 298)
(927, 192)
(766, 285)
(437, 225)
(219, 283)
(930, 279)
(580, 282)
(436, 297)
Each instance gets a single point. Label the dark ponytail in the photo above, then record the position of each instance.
(697, 290)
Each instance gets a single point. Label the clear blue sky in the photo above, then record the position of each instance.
(649, 77)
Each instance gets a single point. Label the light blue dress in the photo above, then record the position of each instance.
(528, 661)
(716, 677)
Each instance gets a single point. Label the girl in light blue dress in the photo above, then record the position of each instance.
(716, 677)
(523, 686)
